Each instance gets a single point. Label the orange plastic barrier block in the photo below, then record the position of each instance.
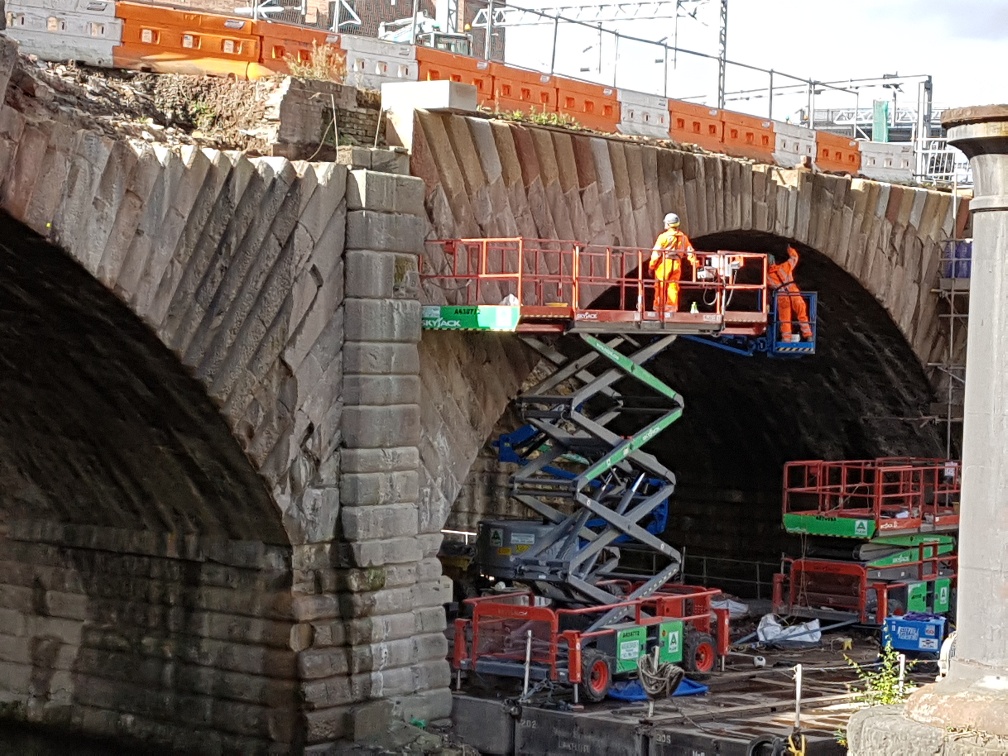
(591, 105)
(183, 19)
(280, 43)
(748, 136)
(166, 40)
(440, 65)
(520, 89)
(696, 124)
(836, 153)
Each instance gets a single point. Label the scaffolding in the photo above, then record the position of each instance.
(953, 289)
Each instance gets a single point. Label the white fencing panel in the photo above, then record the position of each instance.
(373, 62)
(60, 30)
(887, 161)
(792, 143)
(643, 114)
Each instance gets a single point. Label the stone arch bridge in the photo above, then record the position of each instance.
(227, 453)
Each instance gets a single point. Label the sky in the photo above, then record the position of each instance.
(962, 44)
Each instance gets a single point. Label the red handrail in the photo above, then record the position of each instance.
(897, 493)
(546, 273)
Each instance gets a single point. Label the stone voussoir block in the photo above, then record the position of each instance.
(312, 516)
(369, 489)
(380, 460)
(371, 358)
(382, 320)
(390, 232)
(385, 193)
(379, 427)
(379, 521)
(381, 389)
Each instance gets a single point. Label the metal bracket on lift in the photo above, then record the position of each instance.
(615, 481)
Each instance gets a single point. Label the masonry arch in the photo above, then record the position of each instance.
(875, 245)
(101, 424)
(863, 394)
(139, 535)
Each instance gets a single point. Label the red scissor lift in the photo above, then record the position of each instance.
(903, 513)
(553, 286)
(589, 621)
(507, 631)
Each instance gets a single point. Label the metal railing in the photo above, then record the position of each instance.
(941, 165)
(548, 272)
(704, 568)
(896, 493)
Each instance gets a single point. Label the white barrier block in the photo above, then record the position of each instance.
(370, 72)
(61, 35)
(643, 114)
(376, 48)
(104, 8)
(58, 50)
(886, 161)
(792, 143)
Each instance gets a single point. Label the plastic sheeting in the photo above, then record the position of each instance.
(770, 630)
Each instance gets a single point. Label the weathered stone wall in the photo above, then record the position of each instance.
(304, 112)
(108, 630)
(207, 540)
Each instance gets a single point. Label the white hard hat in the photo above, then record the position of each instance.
(671, 219)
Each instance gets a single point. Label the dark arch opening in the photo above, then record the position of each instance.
(145, 554)
(100, 424)
(863, 394)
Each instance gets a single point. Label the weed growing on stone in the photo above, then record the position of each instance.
(544, 118)
(324, 64)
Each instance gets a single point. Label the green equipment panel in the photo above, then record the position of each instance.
(841, 527)
(942, 595)
(670, 639)
(631, 644)
(917, 594)
(473, 318)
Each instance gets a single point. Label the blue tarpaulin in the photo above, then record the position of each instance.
(631, 690)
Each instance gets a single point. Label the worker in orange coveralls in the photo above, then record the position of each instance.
(790, 303)
(666, 264)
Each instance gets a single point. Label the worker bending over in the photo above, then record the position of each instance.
(666, 264)
(790, 302)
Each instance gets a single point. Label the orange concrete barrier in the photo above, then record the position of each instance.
(696, 124)
(439, 65)
(748, 136)
(837, 154)
(591, 105)
(166, 40)
(282, 42)
(520, 89)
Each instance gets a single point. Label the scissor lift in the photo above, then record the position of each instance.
(584, 469)
(898, 517)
